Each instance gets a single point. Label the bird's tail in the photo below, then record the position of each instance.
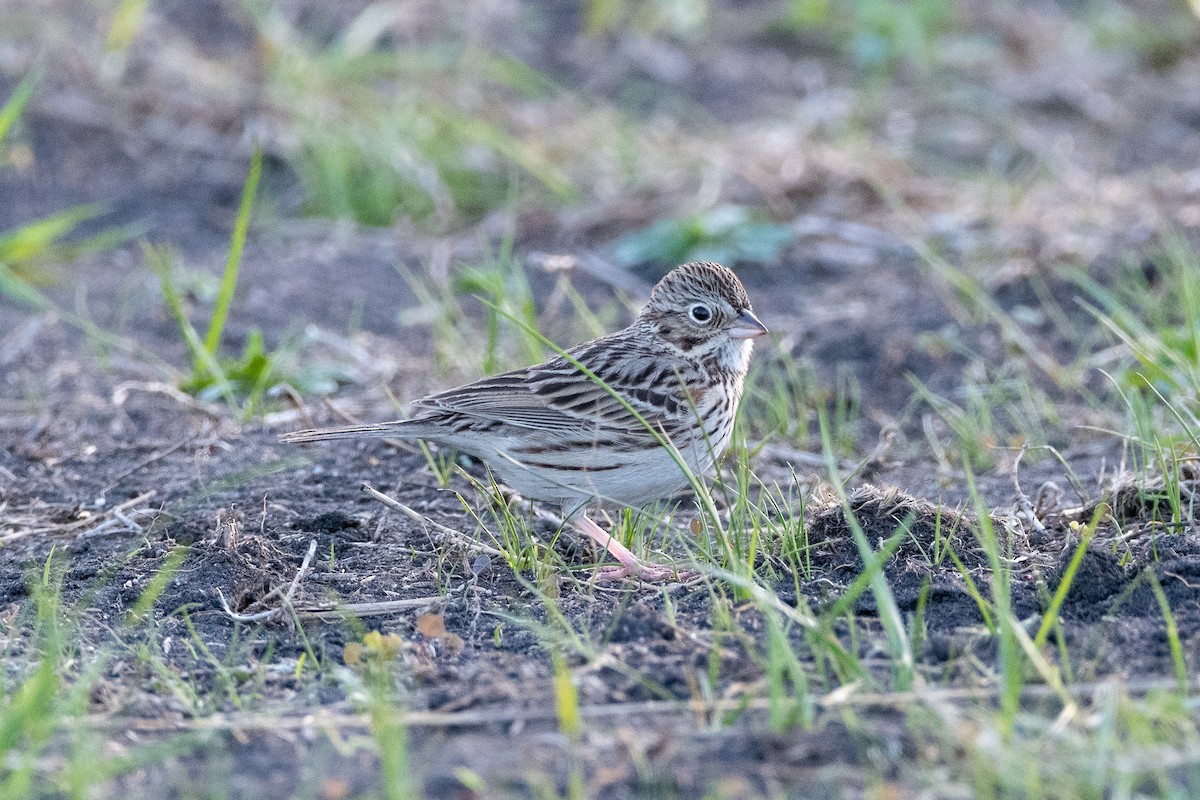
(399, 429)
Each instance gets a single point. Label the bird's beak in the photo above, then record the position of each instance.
(747, 327)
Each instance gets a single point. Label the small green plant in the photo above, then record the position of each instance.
(29, 253)
(1159, 36)
(210, 375)
(34, 707)
(727, 234)
(789, 696)
(1011, 673)
(899, 646)
(11, 112)
(996, 407)
(242, 382)
(1128, 747)
(498, 288)
(1050, 617)
(375, 658)
(780, 398)
(46, 745)
(511, 533)
(570, 723)
(502, 287)
(441, 462)
(681, 18)
(128, 20)
(1153, 310)
(1172, 631)
(384, 133)
(879, 36)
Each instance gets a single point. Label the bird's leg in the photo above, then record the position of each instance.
(631, 565)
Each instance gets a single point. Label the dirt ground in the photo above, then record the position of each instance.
(118, 474)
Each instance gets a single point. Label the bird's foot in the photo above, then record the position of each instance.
(649, 573)
(631, 566)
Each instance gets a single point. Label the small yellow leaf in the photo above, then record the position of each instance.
(431, 626)
(352, 654)
(390, 646)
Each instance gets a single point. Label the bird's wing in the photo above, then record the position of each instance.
(557, 397)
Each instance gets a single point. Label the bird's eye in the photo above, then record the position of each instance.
(700, 313)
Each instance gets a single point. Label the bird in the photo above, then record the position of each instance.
(620, 419)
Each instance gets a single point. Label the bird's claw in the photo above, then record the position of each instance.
(643, 572)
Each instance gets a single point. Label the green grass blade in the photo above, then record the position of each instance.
(1177, 657)
(1068, 577)
(127, 21)
(889, 613)
(873, 568)
(16, 103)
(566, 700)
(973, 590)
(202, 359)
(1012, 679)
(20, 291)
(229, 279)
(35, 238)
(157, 584)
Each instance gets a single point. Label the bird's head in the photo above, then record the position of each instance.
(702, 305)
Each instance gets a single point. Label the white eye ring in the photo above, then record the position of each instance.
(700, 313)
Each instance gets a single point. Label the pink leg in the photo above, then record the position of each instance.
(631, 566)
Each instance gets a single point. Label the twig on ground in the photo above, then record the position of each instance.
(145, 462)
(304, 565)
(789, 455)
(1025, 510)
(460, 539)
(298, 402)
(657, 709)
(335, 612)
(368, 609)
(286, 602)
(121, 394)
(100, 523)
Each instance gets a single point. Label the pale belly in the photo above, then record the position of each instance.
(641, 478)
(539, 468)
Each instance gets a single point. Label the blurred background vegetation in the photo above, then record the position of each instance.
(1006, 147)
(443, 113)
